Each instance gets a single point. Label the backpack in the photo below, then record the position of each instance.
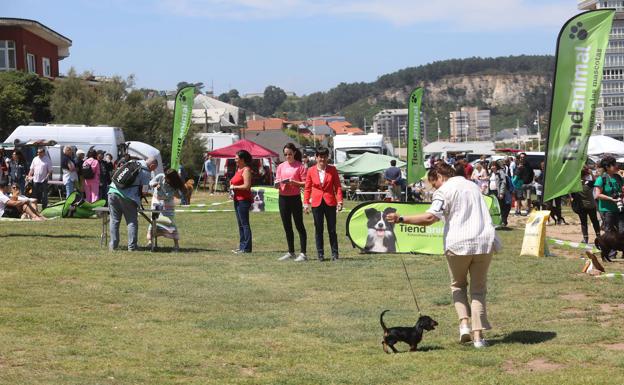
(510, 186)
(125, 175)
(87, 171)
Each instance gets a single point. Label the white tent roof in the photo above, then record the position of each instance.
(602, 144)
(486, 148)
(210, 110)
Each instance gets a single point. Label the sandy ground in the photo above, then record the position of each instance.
(569, 232)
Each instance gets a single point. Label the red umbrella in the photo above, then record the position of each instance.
(256, 150)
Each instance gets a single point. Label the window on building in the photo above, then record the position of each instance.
(30, 61)
(7, 55)
(47, 70)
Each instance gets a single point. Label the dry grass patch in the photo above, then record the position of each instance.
(535, 365)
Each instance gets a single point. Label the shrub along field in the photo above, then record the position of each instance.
(73, 313)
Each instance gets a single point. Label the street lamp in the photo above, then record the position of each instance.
(539, 133)
(439, 131)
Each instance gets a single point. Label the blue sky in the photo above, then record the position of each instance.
(299, 45)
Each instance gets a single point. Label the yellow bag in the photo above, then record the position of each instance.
(535, 234)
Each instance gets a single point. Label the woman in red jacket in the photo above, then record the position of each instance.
(323, 193)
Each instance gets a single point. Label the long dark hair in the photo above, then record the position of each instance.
(297, 153)
(173, 179)
(245, 156)
(20, 156)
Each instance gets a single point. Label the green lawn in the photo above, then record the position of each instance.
(72, 313)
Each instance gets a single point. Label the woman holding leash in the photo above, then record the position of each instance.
(240, 188)
(323, 193)
(290, 178)
(469, 241)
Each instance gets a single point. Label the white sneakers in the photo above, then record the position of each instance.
(286, 257)
(464, 334)
(300, 258)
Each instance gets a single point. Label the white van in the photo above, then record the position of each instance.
(105, 138)
(214, 141)
(348, 146)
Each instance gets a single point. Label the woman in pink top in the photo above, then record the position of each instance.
(290, 178)
(91, 185)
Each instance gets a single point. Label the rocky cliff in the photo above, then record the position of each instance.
(489, 90)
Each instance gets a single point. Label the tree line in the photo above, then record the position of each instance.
(359, 101)
(141, 113)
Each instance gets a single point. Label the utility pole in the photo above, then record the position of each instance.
(539, 134)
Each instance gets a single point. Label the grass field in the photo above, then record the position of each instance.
(72, 313)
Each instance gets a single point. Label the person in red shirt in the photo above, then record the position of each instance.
(323, 194)
(240, 191)
(468, 169)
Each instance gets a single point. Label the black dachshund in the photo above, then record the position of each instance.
(410, 335)
(608, 241)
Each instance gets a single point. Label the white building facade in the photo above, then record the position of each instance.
(391, 123)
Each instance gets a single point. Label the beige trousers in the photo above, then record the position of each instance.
(459, 268)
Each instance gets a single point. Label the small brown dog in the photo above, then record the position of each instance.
(189, 190)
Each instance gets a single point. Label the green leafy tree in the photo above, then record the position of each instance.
(24, 98)
(273, 98)
(73, 101)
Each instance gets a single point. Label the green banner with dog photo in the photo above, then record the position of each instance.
(369, 231)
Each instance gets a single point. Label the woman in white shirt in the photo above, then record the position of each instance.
(480, 177)
(469, 241)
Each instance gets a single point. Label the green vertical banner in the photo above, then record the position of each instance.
(581, 50)
(415, 160)
(183, 112)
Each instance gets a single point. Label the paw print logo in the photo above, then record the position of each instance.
(577, 31)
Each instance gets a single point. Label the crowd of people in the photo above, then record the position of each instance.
(322, 196)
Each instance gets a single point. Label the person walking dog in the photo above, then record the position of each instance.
(469, 241)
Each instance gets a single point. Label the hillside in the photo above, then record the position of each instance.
(513, 88)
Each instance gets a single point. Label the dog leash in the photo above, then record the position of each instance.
(410, 285)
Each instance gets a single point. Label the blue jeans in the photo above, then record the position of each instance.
(119, 206)
(69, 188)
(244, 229)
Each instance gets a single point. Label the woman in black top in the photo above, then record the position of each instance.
(584, 204)
(18, 170)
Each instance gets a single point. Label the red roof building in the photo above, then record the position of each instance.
(344, 127)
(27, 45)
(265, 124)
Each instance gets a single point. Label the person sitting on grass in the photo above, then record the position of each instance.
(14, 207)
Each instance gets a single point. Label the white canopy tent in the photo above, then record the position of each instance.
(601, 144)
(443, 148)
(207, 110)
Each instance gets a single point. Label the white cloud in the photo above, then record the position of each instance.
(464, 15)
